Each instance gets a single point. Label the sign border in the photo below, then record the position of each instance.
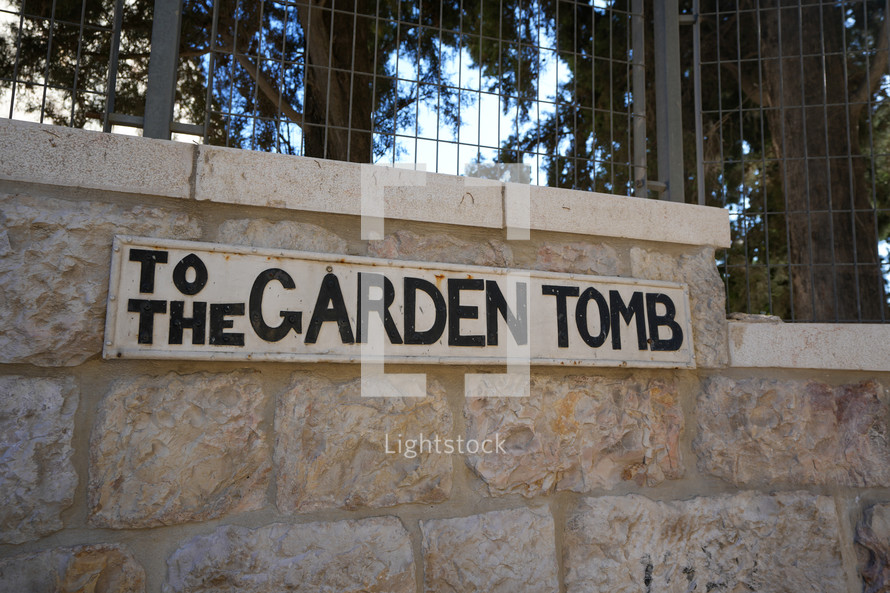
(111, 351)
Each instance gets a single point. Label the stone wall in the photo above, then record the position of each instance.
(129, 475)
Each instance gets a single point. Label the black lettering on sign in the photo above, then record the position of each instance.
(147, 310)
(581, 317)
(193, 262)
(178, 322)
(291, 320)
(456, 312)
(381, 306)
(496, 303)
(431, 335)
(148, 259)
(219, 323)
(627, 312)
(562, 323)
(329, 306)
(655, 321)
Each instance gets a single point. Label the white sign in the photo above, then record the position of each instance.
(186, 300)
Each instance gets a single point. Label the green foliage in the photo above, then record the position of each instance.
(265, 73)
(72, 64)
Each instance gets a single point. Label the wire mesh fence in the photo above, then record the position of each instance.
(453, 85)
(784, 106)
(793, 142)
(55, 58)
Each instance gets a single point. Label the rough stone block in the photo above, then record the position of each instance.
(173, 448)
(54, 269)
(580, 258)
(285, 234)
(103, 568)
(873, 548)
(37, 477)
(511, 551)
(331, 447)
(760, 431)
(747, 542)
(368, 555)
(707, 297)
(442, 248)
(578, 433)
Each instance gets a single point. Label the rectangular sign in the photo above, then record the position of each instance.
(187, 300)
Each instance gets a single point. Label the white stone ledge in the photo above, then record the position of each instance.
(55, 155)
(827, 346)
(77, 158)
(604, 215)
(238, 176)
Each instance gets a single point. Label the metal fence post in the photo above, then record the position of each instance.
(668, 106)
(640, 171)
(162, 67)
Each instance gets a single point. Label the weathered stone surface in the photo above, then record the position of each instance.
(285, 234)
(759, 431)
(331, 447)
(707, 297)
(580, 258)
(173, 448)
(70, 157)
(253, 178)
(442, 248)
(368, 556)
(37, 478)
(510, 551)
(103, 568)
(578, 433)
(873, 548)
(54, 274)
(754, 318)
(747, 542)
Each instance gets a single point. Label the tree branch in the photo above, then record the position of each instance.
(749, 86)
(263, 82)
(877, 68)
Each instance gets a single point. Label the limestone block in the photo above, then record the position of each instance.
(747, 542)
(707, 297)
(103, 568)
(873, 548)
(511, 551)
(54, 272)
(604, 215)
(368, 555)
(69, 157)
(760, 431)
(331, 447)
(442, 248)
(171, 448)
(37, 477)
(578, 433)
(580, 258)
(252, 178)
(285, 234)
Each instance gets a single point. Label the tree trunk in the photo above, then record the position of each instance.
(835, 270)
(338, 100)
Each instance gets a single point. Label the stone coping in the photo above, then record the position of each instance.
(94, 160)
(824, 346)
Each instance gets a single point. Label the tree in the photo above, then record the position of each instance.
(328, 79)
(802, 78)
(74, 64)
